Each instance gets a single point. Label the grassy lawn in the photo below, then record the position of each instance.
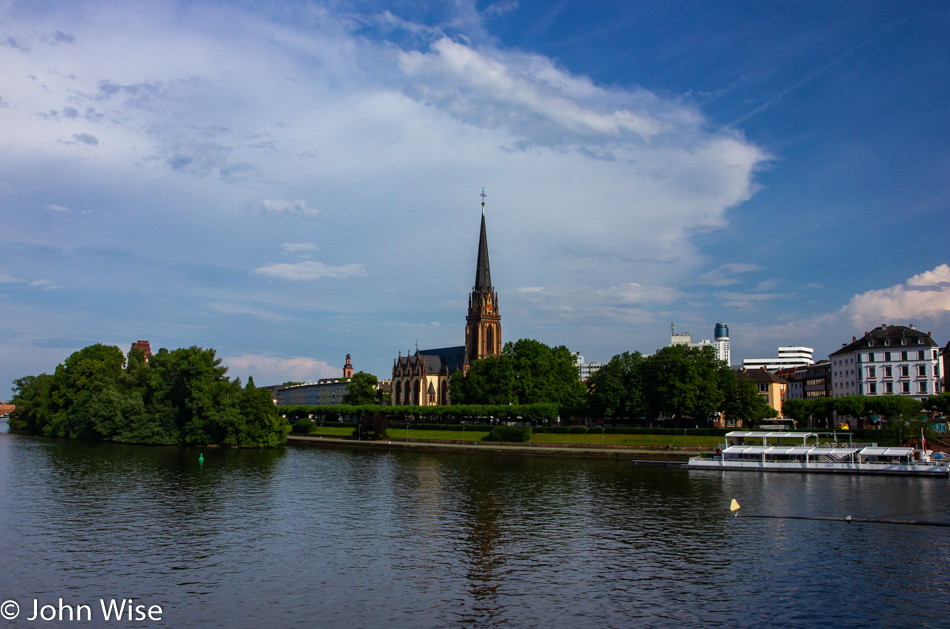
(589, 439)
(627, 440)
(332, 431)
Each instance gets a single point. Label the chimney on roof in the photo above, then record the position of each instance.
(913, 327)
(844, 345)
(853, 339)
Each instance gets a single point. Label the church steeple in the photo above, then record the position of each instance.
(483, 323)
(482, 268)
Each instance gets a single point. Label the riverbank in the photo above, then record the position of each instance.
(625, 453)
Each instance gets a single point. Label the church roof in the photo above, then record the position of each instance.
(450, 358)
(482, 268)
(443, 359)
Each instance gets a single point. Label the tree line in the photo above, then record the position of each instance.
(884, 407)
(181, 396)
(677, 381)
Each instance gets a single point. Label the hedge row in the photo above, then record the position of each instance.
(509, 434)
(581, 430)
(434, 414)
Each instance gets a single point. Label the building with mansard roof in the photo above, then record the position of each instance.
(888, 360)
(422, 378)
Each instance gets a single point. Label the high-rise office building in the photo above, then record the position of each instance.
(721, 343)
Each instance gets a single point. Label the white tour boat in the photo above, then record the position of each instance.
(758, 450)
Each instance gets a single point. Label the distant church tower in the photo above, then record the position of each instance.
(348, 368)
(483, 323)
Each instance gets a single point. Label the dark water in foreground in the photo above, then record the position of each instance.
(316, 538)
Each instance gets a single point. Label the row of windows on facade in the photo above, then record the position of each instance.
(888, 372)
(871, 357)
(888, 387)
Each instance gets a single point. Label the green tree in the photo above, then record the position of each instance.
(616, 389)
(796, 409)
(850, 405)
(33, 398)
(544, 374)
(179, 396)
(685, 381)
(371, 427)
(746, 404)
(893, 407)
(938, 403)
(362, 389)
(263, 426)
(488, 381)
(527, 372)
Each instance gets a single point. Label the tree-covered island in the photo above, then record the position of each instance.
(181, 396)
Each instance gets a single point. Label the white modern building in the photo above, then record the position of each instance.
(586, 370)
(888, 360)
(790, 356)
(723, 351)
(685, 339)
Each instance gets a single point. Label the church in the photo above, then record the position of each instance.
(422, 379)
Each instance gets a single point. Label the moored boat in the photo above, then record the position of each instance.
(758, 450)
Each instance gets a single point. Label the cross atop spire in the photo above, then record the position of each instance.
(483, 195)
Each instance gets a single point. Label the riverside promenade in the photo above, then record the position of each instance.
(624, 453)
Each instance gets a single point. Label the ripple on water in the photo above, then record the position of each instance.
(305, 537)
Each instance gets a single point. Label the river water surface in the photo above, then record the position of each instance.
(306, 537)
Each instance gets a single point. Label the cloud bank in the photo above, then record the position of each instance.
(203, 138)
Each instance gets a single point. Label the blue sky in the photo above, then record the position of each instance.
(289, 183)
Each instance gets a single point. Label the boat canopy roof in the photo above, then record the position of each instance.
(790, 450)
(760, 434)
(902, 451)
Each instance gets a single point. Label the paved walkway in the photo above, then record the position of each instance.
(481, 447)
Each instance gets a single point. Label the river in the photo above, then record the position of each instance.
(307, 537)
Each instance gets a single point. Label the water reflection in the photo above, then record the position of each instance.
(304, 537)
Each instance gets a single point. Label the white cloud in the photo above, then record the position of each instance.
(57, 208)
(268, 370)
(497, 9)
(744, 301)
(44, 284)
(298, 248)
(924, 299)
(311, 270)
(938, 277)
(211, 118)
(924, 296)
(635, 293)
(243, 309)
(522, 91)
(722, 276)
(278, 207)
(7, 279)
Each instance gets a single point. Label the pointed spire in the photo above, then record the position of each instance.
(482, 268)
